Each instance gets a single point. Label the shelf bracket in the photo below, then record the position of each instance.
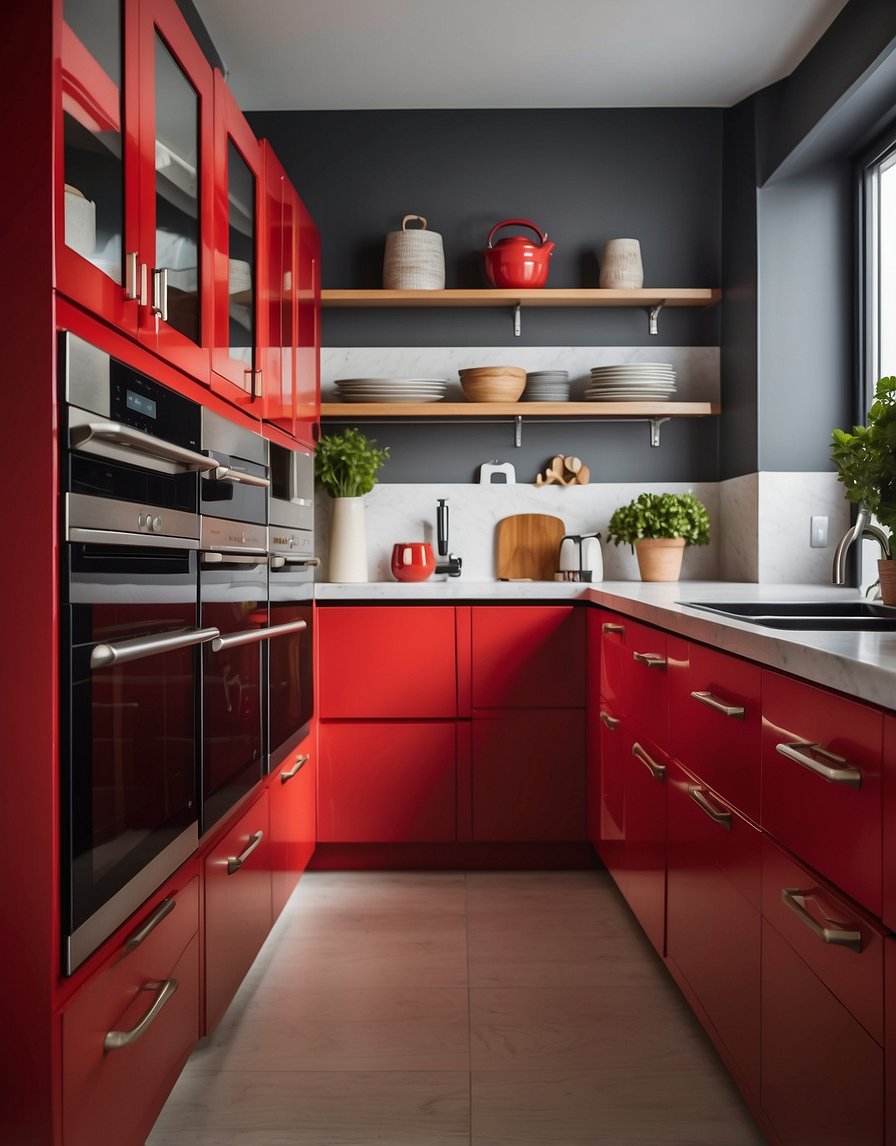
(655, 424)
(517, 320)
(653, 314)
(518, 430)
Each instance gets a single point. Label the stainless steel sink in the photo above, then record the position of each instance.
(845, 615)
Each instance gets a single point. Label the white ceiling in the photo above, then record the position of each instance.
(354, 54)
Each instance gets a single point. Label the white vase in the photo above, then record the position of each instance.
(348, 540)
(620, 265)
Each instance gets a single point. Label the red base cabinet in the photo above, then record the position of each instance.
(293, 811)
(644, 883)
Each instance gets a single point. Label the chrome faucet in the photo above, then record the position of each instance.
(451, 564)
(861, 528)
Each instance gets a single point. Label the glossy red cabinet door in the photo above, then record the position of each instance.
(387, 661)
(888, 794)
(890, 1039)
(646, 705)
(388, 782)
(293, 810)
(278, 401)
(306, 365)
(593, 727)
(529, 776)
(645, 837)
(613, 659)
(237, 907)
(528, 656)
(613, 747)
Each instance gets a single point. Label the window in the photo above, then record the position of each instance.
(879, 295)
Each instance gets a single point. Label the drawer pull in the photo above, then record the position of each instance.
(834, 769)
(697, 795)
(609, 627)
(836, 935)
(652, 660)
(136, 937)
(234, 863)
(117, 1040)
(717, 705)
(657, 771)
(300, 763)
(610, 722)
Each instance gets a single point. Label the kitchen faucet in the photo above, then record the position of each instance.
(861, 528)
(451, 565)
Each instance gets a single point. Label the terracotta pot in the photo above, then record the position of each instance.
(659, 558)
(886, 571)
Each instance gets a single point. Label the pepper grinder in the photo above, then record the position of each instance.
(451, 565)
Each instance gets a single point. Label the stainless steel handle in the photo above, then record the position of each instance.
(131, 283)
(117, 1040)
(121, 435)
(225, 473)
(278, 561)
(160, 292)
(657, 771)
(215, 557)
(717, 705)
(161, 912)
(120, 652)
(652, 660)
(699, 798)
(838, 936)
(257, 383)
(834, 769)
(610, 722)
(250, 636)
(608, 627)
(234, 863)
(300, 763)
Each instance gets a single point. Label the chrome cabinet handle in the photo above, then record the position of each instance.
(160, 293)
(736, 710)
(657, 771)
(834, 769)
(120, 652)
(722, 818)
(225, 473)
(250, 636)
(121, 435)
(300, 763)
(609, 627)
(610, 722)
(278, 562)
(117, 1040)
(161, 912)
(131, 285)
(838, 936)
(652, 660)
(234, 863)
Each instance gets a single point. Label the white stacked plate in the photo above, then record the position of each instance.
(631, 382)
(391, 389)
(547, 386)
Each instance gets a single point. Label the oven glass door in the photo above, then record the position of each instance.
(235, 490)
(290, 678)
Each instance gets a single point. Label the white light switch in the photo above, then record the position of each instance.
(818, 536)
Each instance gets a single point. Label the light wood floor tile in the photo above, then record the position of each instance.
(380, 892)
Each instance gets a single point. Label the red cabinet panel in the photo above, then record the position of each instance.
(613, 658)
(237, 906)
(645, 837)
(528, 656)
(592, 728)
(823, 802)
(613, 741)
(529, 776)
(646, 705)
(387, 661)
(890, 1039)
(293, 810)
(387, 783)
(888, 796)
(306, 366)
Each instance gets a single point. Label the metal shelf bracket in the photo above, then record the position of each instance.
(653, 314)
(518, 430)
(655, 424)
(517, 322)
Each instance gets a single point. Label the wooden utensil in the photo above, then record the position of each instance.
(529, 546)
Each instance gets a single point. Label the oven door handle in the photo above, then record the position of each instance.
(277, 561)
(249, 636)
(225, 473)
(120, 435)
(120, 652)
(215, 557)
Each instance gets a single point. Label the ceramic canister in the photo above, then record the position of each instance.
(620, 265)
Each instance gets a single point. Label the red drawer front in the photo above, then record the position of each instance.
(822, 1073)
(387, 783)
(646, 769)
(613, 658)
(854, 973)
(528, 656)
(646, 703)
(890, 1039)
(833, 826)
(611, 812)
(716, 733)
(390, 661)
(293, 808)
(889, 824)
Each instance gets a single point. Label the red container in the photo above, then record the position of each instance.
(516, 261)
(412, 561)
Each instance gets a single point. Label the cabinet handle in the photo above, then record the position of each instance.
(137, 937)
(610, 722)
(657, 771)
(160, 293)
(300, 763)
(608, 627)
(834, 769)
(117, 1040)
(652, 660)
(234, 863)
(131, 285)
(838, 936)
(697, 795)
(717, 705)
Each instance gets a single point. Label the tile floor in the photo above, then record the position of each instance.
(453, 1009)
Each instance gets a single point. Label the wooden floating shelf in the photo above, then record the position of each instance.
(437, 410)
(584, 296)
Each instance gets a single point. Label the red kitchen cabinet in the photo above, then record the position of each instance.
(306, 350)
(393, 662)
(646, 706)
(644, 882)
(592, 728)
(890, 1039)
(293, 812)
(528, 656)
(888, 796)
(387, 782)
(237, 906)
(612, 793)
(128, 1032)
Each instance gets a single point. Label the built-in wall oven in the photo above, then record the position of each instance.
(130, 635)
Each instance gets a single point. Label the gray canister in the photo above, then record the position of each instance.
(414, 259)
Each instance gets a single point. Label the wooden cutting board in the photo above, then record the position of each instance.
(529, 546)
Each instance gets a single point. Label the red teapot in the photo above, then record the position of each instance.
(516, 261)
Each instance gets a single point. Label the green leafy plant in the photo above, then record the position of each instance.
(866, 458)
(346, 464)
(660, 515)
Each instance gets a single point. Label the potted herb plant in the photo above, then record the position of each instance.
(866, 465)
(658, 526)
(346, 466)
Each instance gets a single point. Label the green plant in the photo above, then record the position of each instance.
(866, 458)
(660, 515)
(345, 464)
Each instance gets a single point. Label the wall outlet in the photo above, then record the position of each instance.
(818, 532)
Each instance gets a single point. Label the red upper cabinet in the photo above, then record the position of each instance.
(307, 312)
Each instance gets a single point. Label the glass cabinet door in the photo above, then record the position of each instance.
(278, 223)
(307, 375)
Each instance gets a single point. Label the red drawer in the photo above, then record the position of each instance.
(821, 783)
(613, 658)
(646, 688)
(888, 794)
(646, 768)
(842, 944)
(528, 656)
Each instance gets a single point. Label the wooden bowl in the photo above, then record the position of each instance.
(494, 388)
(491, 372)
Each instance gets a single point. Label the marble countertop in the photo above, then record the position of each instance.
(861, 664)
